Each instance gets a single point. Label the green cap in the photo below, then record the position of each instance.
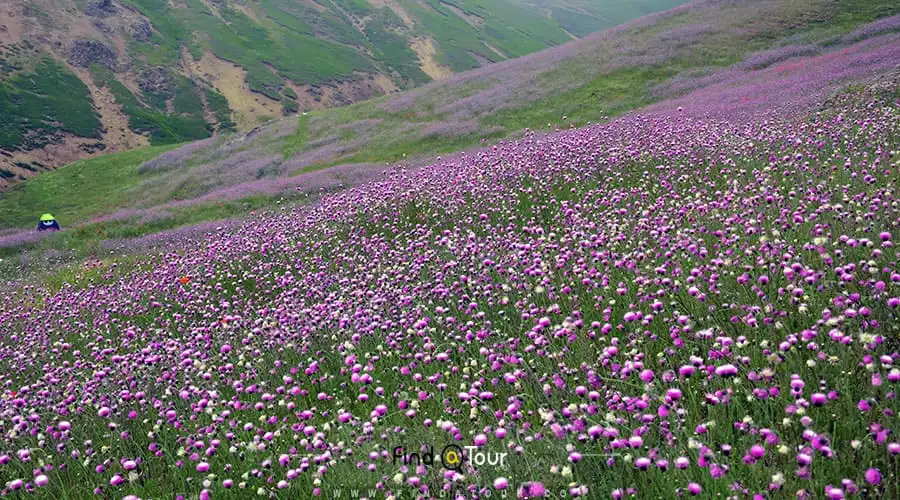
(47, 218)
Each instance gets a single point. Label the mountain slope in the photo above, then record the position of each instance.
(581, 17)
(728, 51)
(78, 77)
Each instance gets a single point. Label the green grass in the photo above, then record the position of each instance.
(85, 241)
(78, 191)
(289, 106)
(218, 104)
(249, 44)
(186, 98)
(391, 48)
(605, 96)
(411, 148)
(847, 14)
(36, 106)
(295, 143)
(169, 32)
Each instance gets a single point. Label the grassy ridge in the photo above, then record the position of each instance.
(608, 95)
(532, 33)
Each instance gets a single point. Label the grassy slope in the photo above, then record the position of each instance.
(582, 17)
(338, 39)
(593, 89)
(79, 190)
(242, 287)
(38, 104)
(458, 39)
(595, 96)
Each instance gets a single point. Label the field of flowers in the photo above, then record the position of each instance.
(688, 302)
(591, 80)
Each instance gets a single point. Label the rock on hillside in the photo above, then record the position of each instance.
(84, 53)
(155, 79)
(100, 8)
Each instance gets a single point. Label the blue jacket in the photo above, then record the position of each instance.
(48, 226)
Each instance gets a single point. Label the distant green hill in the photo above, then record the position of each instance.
(78, 77)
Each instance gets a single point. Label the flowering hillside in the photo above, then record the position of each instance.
(722, 44)
(695, 301)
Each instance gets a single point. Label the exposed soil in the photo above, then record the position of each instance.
(230, 80)
(425, 49)
(117, 137)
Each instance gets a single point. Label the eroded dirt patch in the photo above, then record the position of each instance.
(249, 107)
(118, 136)
(425, 49)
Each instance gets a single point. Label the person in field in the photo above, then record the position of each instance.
(48, 223)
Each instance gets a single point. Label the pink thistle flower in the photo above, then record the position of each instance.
(873, 476)
(533, 489)
(726, 370)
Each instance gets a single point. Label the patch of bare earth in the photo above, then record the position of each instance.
(118, 137)
(336, 94)
(247, 11)
(229, 79)
(495, 50)
(213, 8)
(385, 84)
(427, 53)
(10, 23)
